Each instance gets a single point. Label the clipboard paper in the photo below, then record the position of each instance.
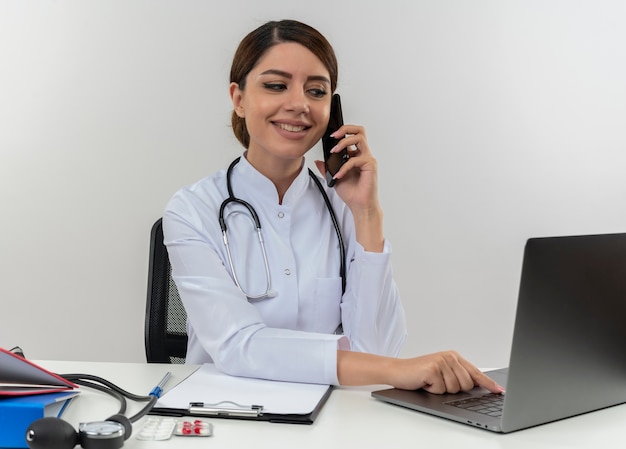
(208, 392)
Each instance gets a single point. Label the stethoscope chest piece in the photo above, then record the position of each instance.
(101, 435)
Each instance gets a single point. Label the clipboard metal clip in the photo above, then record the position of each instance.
(221, 409)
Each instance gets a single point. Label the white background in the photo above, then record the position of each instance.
(493, 121)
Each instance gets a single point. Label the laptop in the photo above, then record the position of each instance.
(568, 354)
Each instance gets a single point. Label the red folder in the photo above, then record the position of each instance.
(20, 377)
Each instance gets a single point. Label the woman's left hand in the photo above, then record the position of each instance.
(357, 185)
(357, 179)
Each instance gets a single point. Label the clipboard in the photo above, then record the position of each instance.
(209, 393)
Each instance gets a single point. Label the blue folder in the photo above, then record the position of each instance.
(18, 412)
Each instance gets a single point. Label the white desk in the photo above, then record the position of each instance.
(350, 419)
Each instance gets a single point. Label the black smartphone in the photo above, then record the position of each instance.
(333, 161)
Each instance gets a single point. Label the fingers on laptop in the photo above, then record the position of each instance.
(481, 379)
(448, 372)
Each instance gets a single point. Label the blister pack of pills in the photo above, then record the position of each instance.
(160, 428)
(195, 428)
(157, 429)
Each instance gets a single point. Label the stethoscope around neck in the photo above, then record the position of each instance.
(269, 293)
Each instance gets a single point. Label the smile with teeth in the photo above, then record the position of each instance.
(291, 128)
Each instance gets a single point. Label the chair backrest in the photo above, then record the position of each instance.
(166, 319)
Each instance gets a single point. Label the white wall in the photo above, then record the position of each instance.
(493, 121)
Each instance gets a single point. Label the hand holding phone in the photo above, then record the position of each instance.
(333, 161)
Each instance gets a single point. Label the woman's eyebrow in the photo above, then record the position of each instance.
(289, 76)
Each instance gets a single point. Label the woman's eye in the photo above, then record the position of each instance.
(275, 86)
(317, 93)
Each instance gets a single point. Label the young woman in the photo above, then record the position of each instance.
(310, 296)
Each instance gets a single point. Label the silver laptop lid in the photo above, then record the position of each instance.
(569, 345)
(567, 356)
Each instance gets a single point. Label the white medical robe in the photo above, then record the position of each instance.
(291, 335)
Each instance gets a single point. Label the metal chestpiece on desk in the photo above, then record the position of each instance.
(101, 435)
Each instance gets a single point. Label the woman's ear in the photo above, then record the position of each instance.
(236, 96)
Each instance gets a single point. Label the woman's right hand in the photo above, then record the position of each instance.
(441, 372)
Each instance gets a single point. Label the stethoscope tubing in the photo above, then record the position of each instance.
(257, 223)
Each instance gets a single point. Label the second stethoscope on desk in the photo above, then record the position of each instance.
(269, 293)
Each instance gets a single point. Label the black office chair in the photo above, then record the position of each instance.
(165, 328)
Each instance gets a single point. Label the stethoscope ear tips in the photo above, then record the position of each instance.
(267, 295)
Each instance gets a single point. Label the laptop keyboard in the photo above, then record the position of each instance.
(489, 404)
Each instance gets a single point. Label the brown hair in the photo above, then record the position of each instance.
(257, 42)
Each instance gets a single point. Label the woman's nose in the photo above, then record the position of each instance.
(297, 101)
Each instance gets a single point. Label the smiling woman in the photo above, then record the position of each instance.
(306, 327)
(285, 107)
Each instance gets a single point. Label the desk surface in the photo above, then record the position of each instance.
(350, 418)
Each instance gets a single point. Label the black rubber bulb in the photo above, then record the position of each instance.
(49, 433)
